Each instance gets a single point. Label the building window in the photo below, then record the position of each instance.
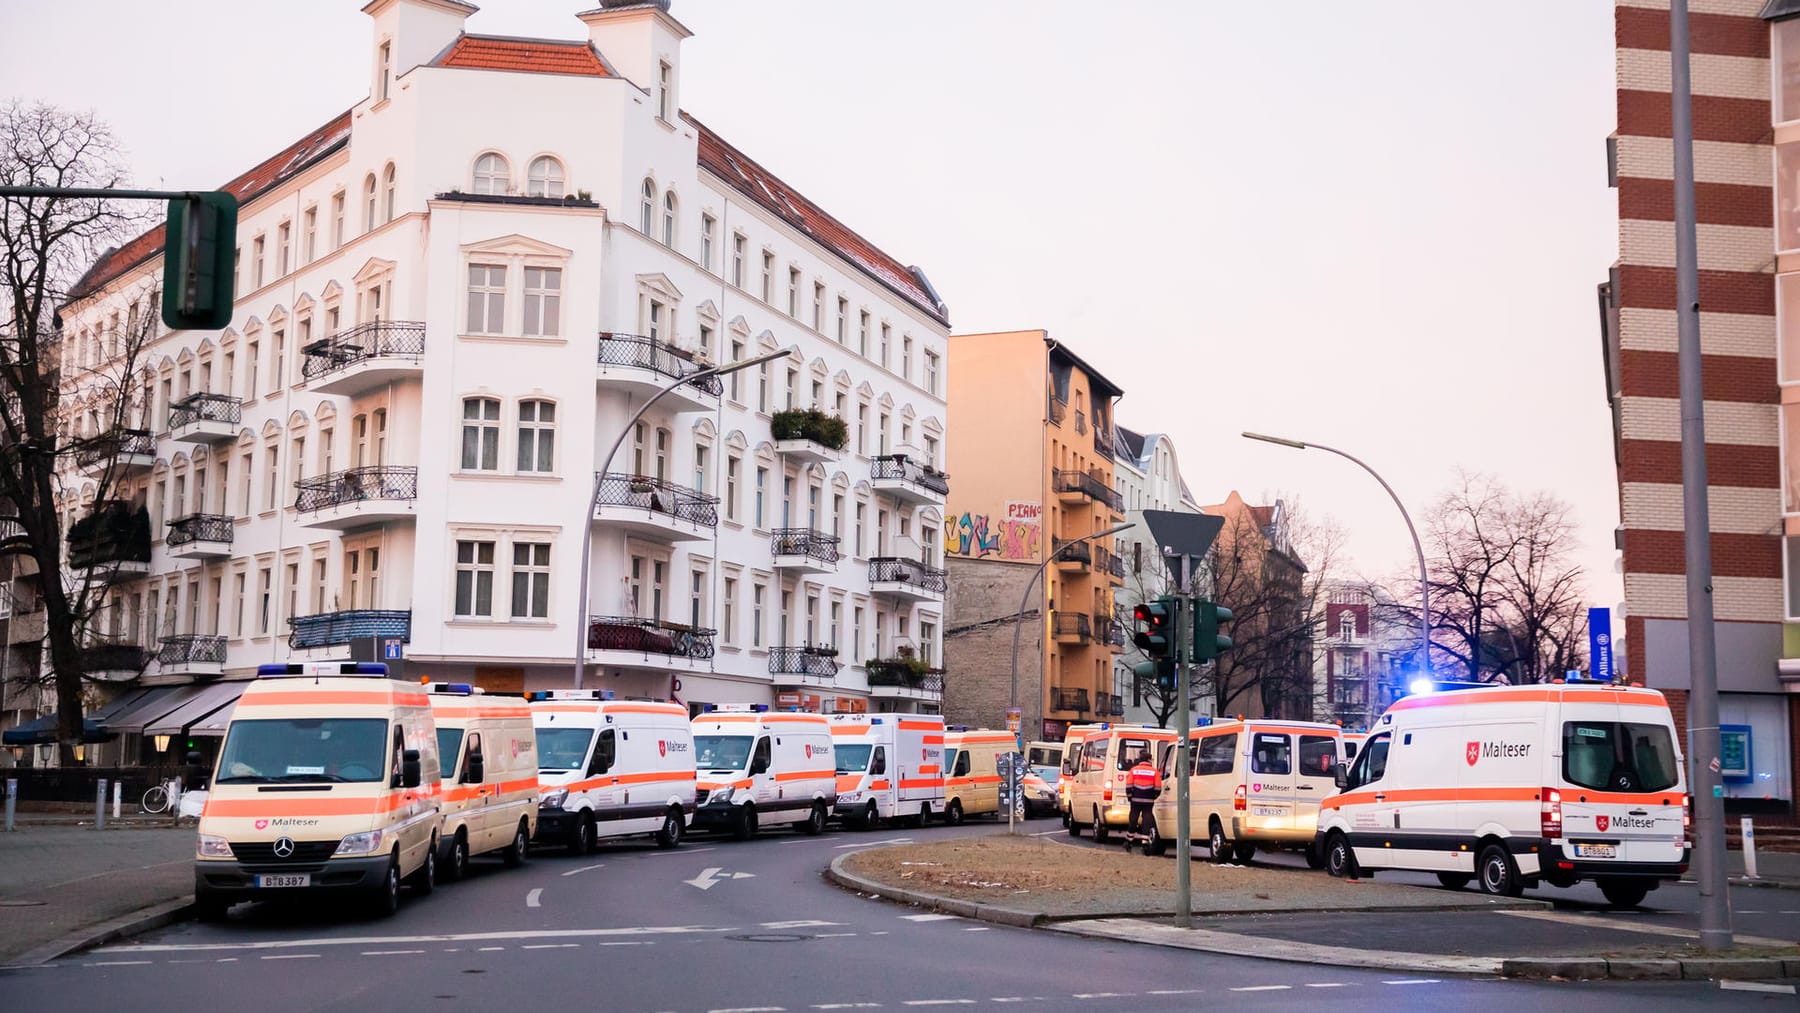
(256, 262)
(369, 202)
(843, 320)
(696, 598)
(385, 71)
(737, 355)
(544, 178)
(700, 463)
(474, 579)
(1787, 65)
(647, 207)
(886, 333)
(794, 292)
(537, 436)
(653, 320)
(492, 174)
(757, 594)
(727, 610)
(737, 261)
(337, 219)
(389, 188)
(664, 79)
(277, 368)
(819, 307)
(487, 298)
(309, 234)
(906, 357)
(706, 341)
(481, 434)
(761, 492)
(931, 451)
(543, 301)
(708, 225)
(862, 430)
(931, 372)
(669, 219)
(265, 595)
(531, 580)
(733, 464)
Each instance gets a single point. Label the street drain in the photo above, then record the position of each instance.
(769, 937)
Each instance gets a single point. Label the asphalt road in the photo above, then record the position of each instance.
(633, 928)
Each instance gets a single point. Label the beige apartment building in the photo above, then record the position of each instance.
(1032, 450)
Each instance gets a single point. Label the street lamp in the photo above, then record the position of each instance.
(587, 522)
(1424, 579)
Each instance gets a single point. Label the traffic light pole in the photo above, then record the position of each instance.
(1184, 650)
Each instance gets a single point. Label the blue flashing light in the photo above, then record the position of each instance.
(760, 708)
(1421, 686)
(709, 708)
(461, 688)
(321, 668)
(874, 721)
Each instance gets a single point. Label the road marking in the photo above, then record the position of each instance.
(928, 918)
(292, 956)
(1757, 986)
(713, 876)
(847, 1005)
(751, 1009)
(462, 937)
(883, 932)
(390, 953)
(1411, 981)
(1788, 912)
(1586, 921)
(1103, 995)
(1174, 991)
(834, 935)
(226, 960)
(489, 949)
(979, 928)
(1009, 998)
(801, 925)
(531, 899)
(585, 868)
(938, 1002)
(871, 844)
(1262, 988)
(1325, 984)
(1050, 833)
(634, 942)
(551, 946)
(1753, 912)
(117, 963)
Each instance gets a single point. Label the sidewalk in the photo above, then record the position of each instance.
(1775, 868)
(62, 884)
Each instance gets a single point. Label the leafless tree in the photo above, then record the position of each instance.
(46, 434)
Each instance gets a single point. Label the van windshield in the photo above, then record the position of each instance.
(721, 752)
(1619, 756)
(304, 749)
(449, 743)
(563, 748)
(852, 759)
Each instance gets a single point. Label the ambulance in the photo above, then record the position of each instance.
(1097, 788)
(1253, 784)
(1353, 744)
(759, 768)
(1517, 786)
(972, 786)
(889, 767)
(327, 782)
(490, 785)
(611, 768)
(1070, 763)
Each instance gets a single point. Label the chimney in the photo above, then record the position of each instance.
(642, 42)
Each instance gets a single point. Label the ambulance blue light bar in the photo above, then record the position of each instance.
(321, 668)
(459, 688)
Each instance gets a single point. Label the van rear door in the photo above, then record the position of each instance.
(1313, 777)
(1269, 793)
(1622, 793)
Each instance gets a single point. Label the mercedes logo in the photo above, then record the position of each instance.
(284, 847)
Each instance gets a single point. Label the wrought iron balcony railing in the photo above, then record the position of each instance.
(205, 408)
(377, 481)
(906, 570)
(115, 657)
(905, 469)
(191, 649)
(200, 528)
(1071, 552)
(900, 674)
(656, 495)
(116, 443)
(1069, 700)
(649, 636)
(331, 629)
(817, 661)
(642, 352)
(1088, 484)
(376, 339)
(1071, 624)
(808, 542)
(1103, 441)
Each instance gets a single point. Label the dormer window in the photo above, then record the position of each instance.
(665, 77)
(545, 179)
(492, 174)
(647, 208)
(385, 70)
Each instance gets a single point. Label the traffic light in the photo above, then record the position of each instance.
(1209, 643)
(199, 255)
(1154, 633)
(1161, 671)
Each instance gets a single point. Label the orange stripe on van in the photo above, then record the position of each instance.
(711, 785)
(1630, 698)
(311, 806)
(463, 792)
(803, 719)
(847, 782)
(1578, 795)
(914, 726)
(837, 729)
(921, 782)
(646, 708)
(643, 777)
(351, 697)
(987, 779)
(934, 740)
(1434, 795)
(880, 785)
(930, 768)
(801, 775)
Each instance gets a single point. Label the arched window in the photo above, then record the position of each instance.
(492, 174)
(369, 202)
(647, 216)
(389, 186)
(669, 218)
(545, 178)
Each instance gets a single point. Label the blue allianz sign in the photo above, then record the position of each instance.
(1600, 644)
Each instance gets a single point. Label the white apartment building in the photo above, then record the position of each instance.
(1147, 472)
(450, 300)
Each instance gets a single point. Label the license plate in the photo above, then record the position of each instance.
(1596, 851)
(846, 799)
(1267, 810)
(288, 880)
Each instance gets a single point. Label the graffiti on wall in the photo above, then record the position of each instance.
(1017, 534)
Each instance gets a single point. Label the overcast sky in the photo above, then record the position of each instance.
(1375, 225)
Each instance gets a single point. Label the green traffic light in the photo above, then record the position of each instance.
(1209, 643)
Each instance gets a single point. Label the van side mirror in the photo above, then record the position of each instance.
(472, 769)
(759, 766)
(409, 769)
(1340, 774)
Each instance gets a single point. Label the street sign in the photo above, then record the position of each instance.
(1014, 717)
(392, 649)
(1600, 651)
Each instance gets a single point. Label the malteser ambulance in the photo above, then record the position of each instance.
(611, 768)
(759, 768)
(490, 786)
(1097, 789)
(1254, 784)
(972, 786)
(1514, 786)
(889, 767)
(1070, 765)
(327, 781)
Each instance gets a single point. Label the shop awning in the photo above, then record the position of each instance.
(209, 698)
(124, 701)
(42, 732)
(214, 723)
(158, 702)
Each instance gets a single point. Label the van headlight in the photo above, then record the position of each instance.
(554, 798)
(360, 844)
(721, 795)
(213, 847)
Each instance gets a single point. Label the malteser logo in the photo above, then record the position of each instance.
(1472, 753)
(1495, 750)
(1601, 822)
(662, 747)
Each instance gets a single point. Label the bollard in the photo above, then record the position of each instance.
(100, 805)
(12, 792)
(118, 790)
(175, 794)
(1748, 826)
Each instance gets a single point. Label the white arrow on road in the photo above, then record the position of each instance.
(715, 875)
(871, 844)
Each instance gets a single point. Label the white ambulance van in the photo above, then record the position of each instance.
(1097, 789)
(1254, 784)
(889, 767)
(759, 768)
(611, 768)
(1516, 786)
(490, 786)
(327, 782)
(1070, 765)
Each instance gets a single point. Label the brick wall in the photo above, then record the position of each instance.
(983, 597)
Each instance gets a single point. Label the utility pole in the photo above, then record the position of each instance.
(1703, 674)
(1184, 652)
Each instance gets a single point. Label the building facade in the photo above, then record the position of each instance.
(1746, 118)
(1357, 656)
(1256, 572)
(1032, 454)
(451, 299)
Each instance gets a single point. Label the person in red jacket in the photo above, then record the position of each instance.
(1142, 786)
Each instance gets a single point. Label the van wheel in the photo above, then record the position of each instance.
(924, 817)
(424, 879)
(670, 834)
(815, 820)
(458, 866)
(1454, 880)
(1315, 856)
(1101, 830)
(1156, 845)
(1243, 852)
(386, 899)
(1074, 827)
(514, 854)
(1216, 843)
(745, 827)
(870, 818)
(1625, 892)
(1340, 861)
(1499, 876)
(953, 813)
(582, 840)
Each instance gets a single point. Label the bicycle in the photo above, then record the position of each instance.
(159, 798)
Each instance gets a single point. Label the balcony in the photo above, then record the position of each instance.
(628, 642)
(112, 543)
(1071, 627)
(1109, 705)
(365, 357)
(1085, 486)
(336, 629)
(642, 366)
(200, 536)
(804, 550)
(122, 451)
(1059, 410)
(1072, 557)
(908, 480)
(27, 627)
(1069, 700)
(1114, 564)
(905, 578)
(652, 508)
(196, 654)
(114, 662)
(205, 418)
(812, 665)
(359, 497)
(809, 436)
(1103, 441)
(905, 679)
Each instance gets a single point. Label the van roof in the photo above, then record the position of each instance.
(1551, 693)
(759, 718)
(334, 692)
(597, 707)
(1296, 726)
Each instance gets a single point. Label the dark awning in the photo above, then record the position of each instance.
(42, 732)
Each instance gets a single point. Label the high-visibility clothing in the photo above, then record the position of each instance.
(1142, 783)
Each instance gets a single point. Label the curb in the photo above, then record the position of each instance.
(837, 874)
(1641, 968)
(142, 920)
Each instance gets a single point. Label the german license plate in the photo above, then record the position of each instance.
(1596, 851)
(287, 880)
(1268, 810)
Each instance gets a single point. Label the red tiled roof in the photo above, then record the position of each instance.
(768, 191)
(279, 167)
(531, 56)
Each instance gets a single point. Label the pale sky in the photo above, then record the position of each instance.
(1376, 225)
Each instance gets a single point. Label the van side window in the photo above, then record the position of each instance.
(1131, 751)
(1371, 761)
(759, 761)
(605, 751)
(1071, 757)
(399, 753)
(879, 764)
(1093, 755)
(1271, 754)
(962, 764)
(1215, 755)
(474, 753)
(1318, 754)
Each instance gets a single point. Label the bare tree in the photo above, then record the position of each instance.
(47, 436)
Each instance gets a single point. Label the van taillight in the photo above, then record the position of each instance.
(1239, 802)
(1687, 820)
(1550, 821)
(1106, 791)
